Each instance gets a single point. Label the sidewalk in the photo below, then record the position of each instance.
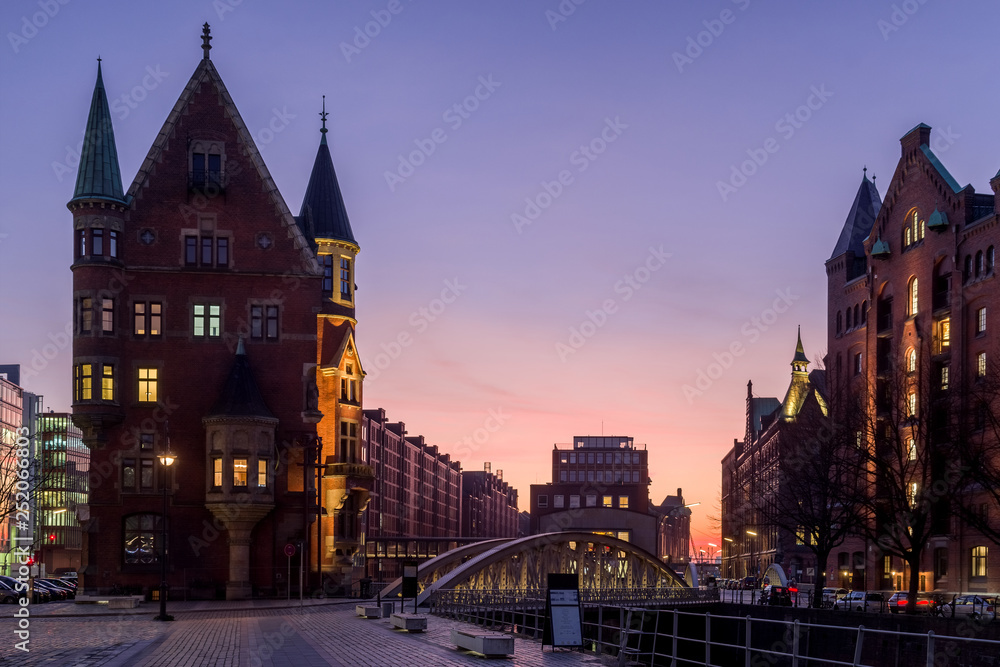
(70, 609)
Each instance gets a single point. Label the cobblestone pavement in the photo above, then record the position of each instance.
(258, 635)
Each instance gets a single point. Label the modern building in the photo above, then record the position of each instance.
(213, 325)
(913, 305)
(599, 484)
(63, 492)
(489, 504)
(416, 501)
(751, 478)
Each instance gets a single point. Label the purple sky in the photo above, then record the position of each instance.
(665, 121)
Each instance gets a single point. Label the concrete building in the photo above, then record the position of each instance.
(599, 484)
(213, 324)
(489, 504)
(913, 305)
(65, 473)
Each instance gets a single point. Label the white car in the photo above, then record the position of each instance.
(861, 601)
(831, 595)
(974, 606)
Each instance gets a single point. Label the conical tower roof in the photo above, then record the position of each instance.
(240, 396)
(323, 214)
(860, 220)
(99, 175)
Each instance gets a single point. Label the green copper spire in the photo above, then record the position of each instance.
(99, 176)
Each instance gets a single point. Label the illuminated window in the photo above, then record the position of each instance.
(979, 561)
(81, 236)
(981, 365)
(84, 382)
(911, 404)
(262, 473)
(608, 501)
(207, 320)
(623, 535)
(146, 319)
(907, 236)
(217, 472)
(911, 447)
(623, 502)
(913, 494)
(911, 360)
(147, 384)
(108, 382)
(944, 377)
(858, 364)
(913, 296)
(981, 321)
(239, 472)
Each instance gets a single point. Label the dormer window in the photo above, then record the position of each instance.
(913, 228)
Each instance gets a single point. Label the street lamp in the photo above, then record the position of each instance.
(166, 460)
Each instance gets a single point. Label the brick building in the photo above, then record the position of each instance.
(912, 318)
(212, 323)
(416, 502)
(489, 505)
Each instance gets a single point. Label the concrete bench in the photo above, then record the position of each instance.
(368, 611)
(410, 622)
(490, 644)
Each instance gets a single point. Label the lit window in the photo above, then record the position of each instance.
(911, 404)
(623, 535)
(107, 316)
(146, 441)
(607, 501)
(858, 364)
(981, 321)
(239, 472)
(913, 494)
(981, 365)
(913, 296)
(911, 360)
(84, 382)
(146, 318)
(207, 320)
(911, 447)
(979, 561)
(108, 383)
(147, 385)
(623, 502)
(262, 473)
(944, 377)
(81, 236)
(907, 236)
(217, 472)
(139, 316)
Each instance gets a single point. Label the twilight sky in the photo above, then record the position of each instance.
(547, 194)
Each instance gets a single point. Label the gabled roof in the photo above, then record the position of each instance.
(99, 175)
(337, 336)
(948, 178)
(240, 395)
(206, 73)
(860, 220)
(323, 214)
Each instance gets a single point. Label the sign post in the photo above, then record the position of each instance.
(289, 551)
(563, 627)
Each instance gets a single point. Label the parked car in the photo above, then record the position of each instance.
(56, 593)
(925, 604)
(778, 596)
(974, 606)
(39, 596)
(59, 584)
(7, 594)
(831, 595)
(861, 601)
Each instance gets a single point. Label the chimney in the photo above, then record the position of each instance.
(915, 138)
(487, 467)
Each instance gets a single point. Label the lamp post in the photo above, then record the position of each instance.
(166, 460)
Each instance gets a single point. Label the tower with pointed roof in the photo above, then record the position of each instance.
(347, 479)
(206, 325)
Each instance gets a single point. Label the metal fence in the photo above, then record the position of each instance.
(673, 636)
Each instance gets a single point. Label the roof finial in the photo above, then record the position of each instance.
(323, 114)
(865, 171)
(206, 37)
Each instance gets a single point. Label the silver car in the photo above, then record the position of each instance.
(861, 601)
(974, 606)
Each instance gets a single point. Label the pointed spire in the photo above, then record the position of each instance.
(99, 175)
(240, 350)
(240, 395)
(206, 38)
(860, 220)
(799, 361)
(323, 206)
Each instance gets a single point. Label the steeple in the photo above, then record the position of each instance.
(799, 387)
(323, 214)
(799, 362)
(99, 176)
(860, 220)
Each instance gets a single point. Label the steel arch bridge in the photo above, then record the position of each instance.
(602, 562)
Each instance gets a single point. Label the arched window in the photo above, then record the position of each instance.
(980, 264)
(847, 319)
(864, 312)
(912, 300)
(990, 257)
(967, 272)
(918, 227)
(857, 311)
(907, 236)
(911, 360)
